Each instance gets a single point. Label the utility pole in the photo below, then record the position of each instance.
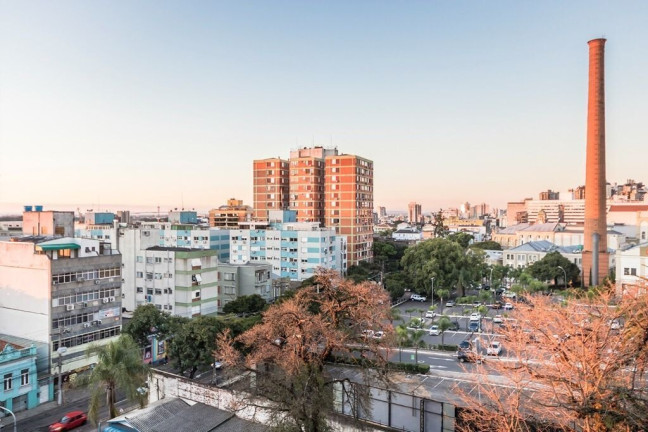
(60, 350)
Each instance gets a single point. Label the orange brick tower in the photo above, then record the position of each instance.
(595, 199)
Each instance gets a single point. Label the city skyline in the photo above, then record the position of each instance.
(146, 104)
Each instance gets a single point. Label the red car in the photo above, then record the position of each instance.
(69, 421)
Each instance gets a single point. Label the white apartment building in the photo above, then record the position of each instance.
(65, 292)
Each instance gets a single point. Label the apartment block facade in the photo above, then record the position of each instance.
(271, 186)
(335, 190)
(295, 250)
(64, 292)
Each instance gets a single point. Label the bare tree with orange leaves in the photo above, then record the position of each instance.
(572, 365)
(287, 351)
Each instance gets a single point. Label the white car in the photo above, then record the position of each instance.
(378, 335)
(497, 319)
(495, 348)
(475, 316)
(430, 314)
(450, 304)
(418, 297)
(435, 331)
(508, 306)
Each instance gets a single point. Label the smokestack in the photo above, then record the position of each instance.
(595, 198)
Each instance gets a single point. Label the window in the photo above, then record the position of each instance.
(139, 259)
(158, 260)
(229, 276)
(140, 290)
(139, 275)
(24, 377)
(7, 382)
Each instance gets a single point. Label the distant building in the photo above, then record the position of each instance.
(294, 249)
(229, 216)
(528, 253)
(549, 195)
(236, 280)
(632, 269)
(410, 235)
(382, 212)
(323, 186)
(47, 223)
(414, 213)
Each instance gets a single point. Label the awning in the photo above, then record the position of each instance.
(58, 246)
(195, 262)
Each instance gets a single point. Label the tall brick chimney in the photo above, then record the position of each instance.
(595, 263)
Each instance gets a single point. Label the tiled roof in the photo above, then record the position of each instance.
(514, 228)
(546, 246)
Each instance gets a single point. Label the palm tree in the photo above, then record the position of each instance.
(444, 324)
(119, 365)
(442, 293)
(402, 337)
(416, 338)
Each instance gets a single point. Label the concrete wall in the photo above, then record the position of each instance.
(25, 281)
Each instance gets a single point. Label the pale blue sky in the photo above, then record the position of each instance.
(147, 103)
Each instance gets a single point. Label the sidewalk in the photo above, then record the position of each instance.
(69, 396)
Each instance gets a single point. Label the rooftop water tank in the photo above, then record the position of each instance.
(39, 208)
(28, 208)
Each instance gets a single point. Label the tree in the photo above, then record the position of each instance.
(246, 304)
(396, 283)
(119, 366)
(548, 268)
(194, 342)
(486, 245)
(416, 340)
(287, 351)
(576, 365)
(444, 324)
(462, 238)
(442, 293)
(444, 260)
(402, 339)
(147, 320)
(440, 230)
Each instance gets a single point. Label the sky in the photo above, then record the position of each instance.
(117, 104)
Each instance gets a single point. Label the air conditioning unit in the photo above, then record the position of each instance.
(80, 279)
(98, 322)
(112, 299)
(104, 300)
(86, 325)
(54, 282)
(69, 307)
(97, 281)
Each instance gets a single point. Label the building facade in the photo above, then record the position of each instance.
(228, 216)
(271, 186)
(236, 280)
(294, 249)
(65, 292)
(335, 190)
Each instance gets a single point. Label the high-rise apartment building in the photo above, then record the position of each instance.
(229, 216)
(414, 213)
(348, 203)
(271, 186)
(323, 186)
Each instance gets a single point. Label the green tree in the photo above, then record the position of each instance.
(194, 342)
(440, 230)
(396, 283)
(416, 340)
(444, 260)
(402, 339)
(486, 245)
(147, 320)
(246, 304)
(462, 238)
(119, 366)
(442, 294)
(548, 268)
(444, 324)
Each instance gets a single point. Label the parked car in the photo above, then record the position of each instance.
(495, 348)
(217, 365)
(454, 325)
(378, 335)
(435, 330)
(430, 314)
(475, 316)
(476, 304)
(496, 305)
(499, 291)
(418, 297)
(450, 303)
(469, 356)
(497, 319)
(464, 345)
(474, 326)
(508, 306)
(69, 421)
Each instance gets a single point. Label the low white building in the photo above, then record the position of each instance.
(407, 235)
(632, 268)
(528, 253)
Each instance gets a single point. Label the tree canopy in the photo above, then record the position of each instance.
(487, 245)
(147, 320)
(288, 349)
(462, 238)
(245, 305)
(548, 268)
(194, 343)
(443, 259)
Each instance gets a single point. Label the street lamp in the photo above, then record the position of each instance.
(432, 293)
(61, 350)
(12, 415)
(491, 278)
(565, 275)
